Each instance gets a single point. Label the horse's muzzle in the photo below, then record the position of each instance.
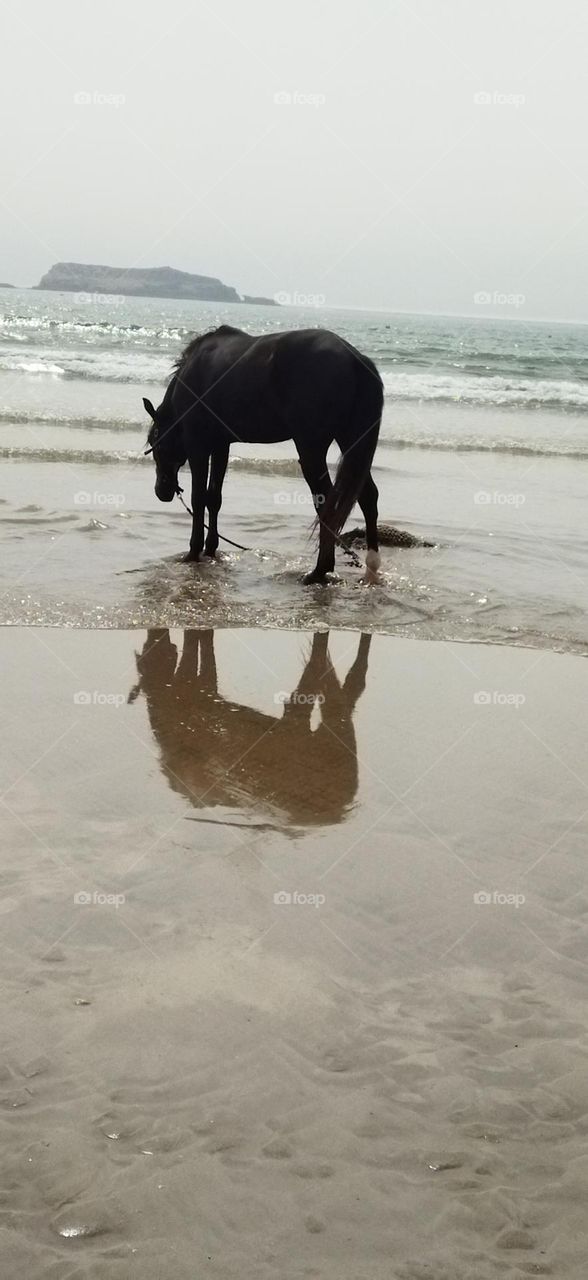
(165, 490)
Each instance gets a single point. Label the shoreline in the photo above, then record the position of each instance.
(295, 630)
(87, 627)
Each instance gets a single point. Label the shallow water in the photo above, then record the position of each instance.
(483, 450)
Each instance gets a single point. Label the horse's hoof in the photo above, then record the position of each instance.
(323, 579)
(191, 557)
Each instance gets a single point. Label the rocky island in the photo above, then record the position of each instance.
(139, 282)
(259, 301)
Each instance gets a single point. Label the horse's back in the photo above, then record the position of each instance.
(291, 350)
(268, 387)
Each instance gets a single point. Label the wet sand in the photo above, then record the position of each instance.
(291, 989)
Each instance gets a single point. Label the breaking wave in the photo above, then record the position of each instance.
(494, 390)
(291, 466)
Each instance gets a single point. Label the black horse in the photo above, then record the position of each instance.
(308, 386)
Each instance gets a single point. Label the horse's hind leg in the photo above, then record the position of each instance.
(316, 474)
(368, 501)
(214, 496)
(326, 556)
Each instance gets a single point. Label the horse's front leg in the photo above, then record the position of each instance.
(214, 497)
(199, 468)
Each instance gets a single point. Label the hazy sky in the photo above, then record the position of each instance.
(384, 181)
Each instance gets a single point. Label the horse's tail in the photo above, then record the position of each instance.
(357, 448)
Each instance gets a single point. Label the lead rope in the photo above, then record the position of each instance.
(180, 493)
(348, 550)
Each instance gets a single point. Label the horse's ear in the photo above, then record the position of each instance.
(149, 407)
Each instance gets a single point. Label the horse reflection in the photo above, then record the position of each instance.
(218, 752)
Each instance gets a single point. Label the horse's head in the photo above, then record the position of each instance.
(166, 443)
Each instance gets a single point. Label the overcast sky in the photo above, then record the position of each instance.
(426, 150)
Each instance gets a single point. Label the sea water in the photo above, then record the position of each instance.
(483, 450)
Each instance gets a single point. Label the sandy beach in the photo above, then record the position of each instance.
(291, 988)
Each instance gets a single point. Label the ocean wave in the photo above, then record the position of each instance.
(31, 366)
(106, 328)
(100, 457)
(105, 457)
(291, 466)
(266, 466)
(493, 390)
(136, 366)
(473, 444)
(92, 364)
(84, 422)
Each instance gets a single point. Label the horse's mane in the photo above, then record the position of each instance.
(195, 343)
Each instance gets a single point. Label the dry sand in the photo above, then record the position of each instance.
(387, 1079)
